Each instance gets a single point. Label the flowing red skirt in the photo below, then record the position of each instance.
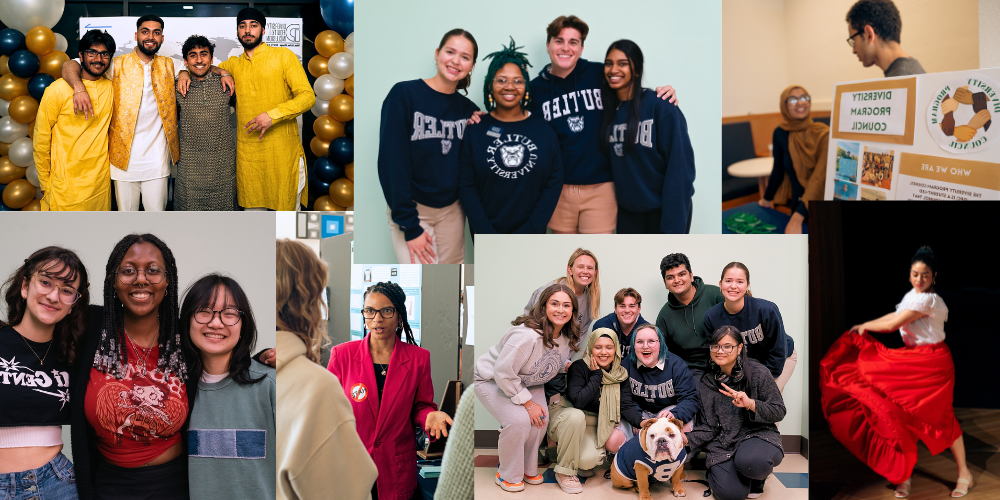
(880, 401)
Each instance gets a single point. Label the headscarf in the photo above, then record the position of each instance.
(610, 412)
(807, 143)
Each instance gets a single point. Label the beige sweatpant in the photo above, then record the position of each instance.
(575, 434)
(446, 227)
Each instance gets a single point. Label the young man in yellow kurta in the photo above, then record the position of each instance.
(71, 151)
(271, 90)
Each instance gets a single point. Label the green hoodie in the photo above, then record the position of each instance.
(683, 325)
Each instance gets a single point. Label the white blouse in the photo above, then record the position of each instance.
(928, 329)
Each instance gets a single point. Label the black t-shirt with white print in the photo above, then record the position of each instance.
(31, 394)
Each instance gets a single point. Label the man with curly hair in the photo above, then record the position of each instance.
(874, 27)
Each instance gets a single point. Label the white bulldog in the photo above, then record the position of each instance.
(661, 458)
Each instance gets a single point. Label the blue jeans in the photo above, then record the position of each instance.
(52, 481)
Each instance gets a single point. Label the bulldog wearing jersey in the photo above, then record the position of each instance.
(656, 454)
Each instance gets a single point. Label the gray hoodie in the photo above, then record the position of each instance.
(520, 360)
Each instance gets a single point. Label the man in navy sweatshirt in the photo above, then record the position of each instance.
(628, 304)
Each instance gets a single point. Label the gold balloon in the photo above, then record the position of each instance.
(319, 147)
(33, 206)
(18, 193)
(12, 86)
(10, 172)
(3, 65)
(328, 129)
(40, 40)
(4, 148)
(349, 86)
(324, 204)
(318, 66)
(328, 43)
(23, 109)
(349, 171)
(51, 63)
(342, 108)
(342, 192)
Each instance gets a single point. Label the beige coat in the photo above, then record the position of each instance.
(319, 452)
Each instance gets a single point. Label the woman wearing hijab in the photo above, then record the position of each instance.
(800, 146)
(582, 420)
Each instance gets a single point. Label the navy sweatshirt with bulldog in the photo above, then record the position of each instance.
(511, 175)
(763, 331)
(653, 389)
(419, 140)
(658, 172)
(573, 107)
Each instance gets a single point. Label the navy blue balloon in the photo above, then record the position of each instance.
(326, 170)
(11, 41)
(338, 15)
(349, 129)
(318, 188)
(342, 150)
(23, 63)
(38, 84)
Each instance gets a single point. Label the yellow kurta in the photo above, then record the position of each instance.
(267, 169)
(71, 153)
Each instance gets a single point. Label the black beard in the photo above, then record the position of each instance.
(150, 53)
(86, 67)
(252, 45)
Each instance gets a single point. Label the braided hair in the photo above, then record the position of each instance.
(112, 354)
(395, 294)
(506, 55)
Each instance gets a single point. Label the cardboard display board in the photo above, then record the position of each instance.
(920, 137)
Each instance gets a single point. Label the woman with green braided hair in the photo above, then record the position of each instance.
(400, 372)
(510, 164)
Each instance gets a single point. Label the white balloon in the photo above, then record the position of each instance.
(22, 152)
(327, 87)
(32, 176)
(11, 131)
(322, 107)
(23, 15)
(61, 43)
(4, 108)
(341, 65)
(348, 44)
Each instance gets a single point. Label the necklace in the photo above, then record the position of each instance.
(385, 367)
(41, 360)
(145, 352)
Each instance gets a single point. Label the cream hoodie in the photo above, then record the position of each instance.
(319, 452)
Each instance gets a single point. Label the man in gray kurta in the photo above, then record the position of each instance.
(206, 172)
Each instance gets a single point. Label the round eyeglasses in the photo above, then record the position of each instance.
(229, 316)
(386, 312)
(795, 100)
(726, 349)
(44, 285)
(128, 275)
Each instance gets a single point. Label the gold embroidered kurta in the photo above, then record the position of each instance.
(127, 78)
(71, 153)
(267, 169)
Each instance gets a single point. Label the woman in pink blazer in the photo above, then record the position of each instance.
(389, 384)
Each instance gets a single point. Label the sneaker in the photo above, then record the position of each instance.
(539, 479)
(585, 472)
(508, 486)
(756, 488)
(569, 484)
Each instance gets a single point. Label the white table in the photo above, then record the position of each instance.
(754, 167)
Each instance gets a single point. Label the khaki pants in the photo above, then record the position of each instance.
(575, 432)
(446, 227)
(786, 371)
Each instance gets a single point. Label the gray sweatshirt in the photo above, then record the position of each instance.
(520, 360)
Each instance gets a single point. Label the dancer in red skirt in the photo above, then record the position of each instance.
(880, 401)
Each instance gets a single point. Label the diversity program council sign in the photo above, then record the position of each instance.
(960, 115)
(283, 34)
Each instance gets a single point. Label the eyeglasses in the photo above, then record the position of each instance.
(644, 343)
(128, 275)
(795, 100)
(93, 53)
(850, 39)
(501, 81)
(44, 285)
(229, 316)
(386, 312)
(725, 348)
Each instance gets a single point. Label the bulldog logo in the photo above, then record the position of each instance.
(512, 155)
(618, 149)
(575, 123)
(359, 392)
(445, 146)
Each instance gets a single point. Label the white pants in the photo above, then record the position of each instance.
(298, 195)
(153, 193)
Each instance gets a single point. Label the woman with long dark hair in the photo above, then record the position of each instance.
(236, 395)
(511, 165)
(389, 383)
(423, 122)
(47, 299)
(646, 140)
(894, 397)
(737, 425)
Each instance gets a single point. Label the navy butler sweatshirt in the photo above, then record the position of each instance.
(573, 107)
(511, 175)
(653, 389)
(763, 331)
(419, 139)
(658, 173)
